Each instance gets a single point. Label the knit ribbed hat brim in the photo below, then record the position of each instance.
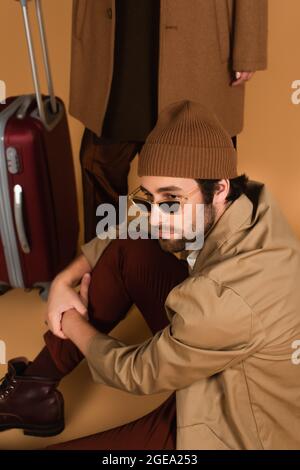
(188, 141)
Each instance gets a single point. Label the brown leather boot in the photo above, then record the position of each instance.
(30, 403)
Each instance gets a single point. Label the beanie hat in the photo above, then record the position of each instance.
(188, 141)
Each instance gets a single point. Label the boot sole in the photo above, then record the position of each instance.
(38, 430)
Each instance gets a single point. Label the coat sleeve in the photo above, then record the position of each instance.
(250, 35)
(211, 328)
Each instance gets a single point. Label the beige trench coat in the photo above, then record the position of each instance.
(230, 350)
(201, 43)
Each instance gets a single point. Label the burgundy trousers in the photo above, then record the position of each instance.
(129, 272)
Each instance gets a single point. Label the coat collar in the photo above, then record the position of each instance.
(236, 215)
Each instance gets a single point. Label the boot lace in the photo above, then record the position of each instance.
(6, 386)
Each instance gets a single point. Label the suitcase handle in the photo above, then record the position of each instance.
(22, 111)
(18, 211)
(35, 76)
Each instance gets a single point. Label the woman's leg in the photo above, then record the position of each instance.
(101, 182)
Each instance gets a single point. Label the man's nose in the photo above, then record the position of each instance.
(155, 216)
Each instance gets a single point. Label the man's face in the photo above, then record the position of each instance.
(172, 233)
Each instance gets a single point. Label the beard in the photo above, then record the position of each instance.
(176, 245)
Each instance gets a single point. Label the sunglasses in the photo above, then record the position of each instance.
(167, 206)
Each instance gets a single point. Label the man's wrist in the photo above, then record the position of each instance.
(65, 278)
(77, 329)
(70, 319)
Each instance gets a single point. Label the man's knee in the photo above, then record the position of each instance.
(129, 260)
(122, 255)
(141, 255)
(129, 252)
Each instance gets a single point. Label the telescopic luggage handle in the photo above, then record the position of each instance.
(35, 76)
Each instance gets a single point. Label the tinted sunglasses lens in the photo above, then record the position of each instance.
(142, 204)
(169, 207)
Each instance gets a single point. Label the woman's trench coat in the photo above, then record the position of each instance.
(201, 44)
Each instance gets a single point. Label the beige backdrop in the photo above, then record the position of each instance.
(269, 149)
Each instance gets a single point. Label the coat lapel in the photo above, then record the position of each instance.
(237, 214)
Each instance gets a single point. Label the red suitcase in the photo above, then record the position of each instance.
(38, 204)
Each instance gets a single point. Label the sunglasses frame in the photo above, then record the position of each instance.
(181, 199)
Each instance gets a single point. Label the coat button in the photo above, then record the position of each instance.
(109, 12)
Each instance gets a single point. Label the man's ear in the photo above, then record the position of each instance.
(221, 192)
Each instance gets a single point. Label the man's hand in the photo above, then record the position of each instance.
(63, 297)
(84, 293)
(242, 77)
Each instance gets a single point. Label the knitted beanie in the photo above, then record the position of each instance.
(188, 141)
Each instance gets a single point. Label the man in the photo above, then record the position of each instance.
(130, 59)
(224, 333)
